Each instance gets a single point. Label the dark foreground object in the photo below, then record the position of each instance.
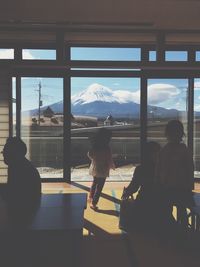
(52, 237)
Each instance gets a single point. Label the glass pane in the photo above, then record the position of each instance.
(196, 147)
(167, 100)
(152, 55)
(197, 58)
(37, 54)
(6, 53)
(176, 56)
(14, 105)
(105, 102)
(42, 124)
(113, 54)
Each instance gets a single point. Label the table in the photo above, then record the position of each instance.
(54, 235)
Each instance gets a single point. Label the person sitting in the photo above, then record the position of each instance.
(23, 188)
(143, 183)
(144, 174)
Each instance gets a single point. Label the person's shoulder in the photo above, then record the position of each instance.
(138, 169)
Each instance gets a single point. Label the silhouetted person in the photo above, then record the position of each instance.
(144, 174)
(101, 163)
(22, 197)
(24, 184)
(174, 174)
(144, 208)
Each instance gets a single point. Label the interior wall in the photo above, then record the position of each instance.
(157, 14)
(5, 87)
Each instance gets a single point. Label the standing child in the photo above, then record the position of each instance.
(101, 163)
(174, 174)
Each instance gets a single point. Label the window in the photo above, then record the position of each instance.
(176, 56)
(166, 100)
(42, 123)
(110, 99)
(14, 111)
(197, 58)
(6, 53)
(113, 103)
(152, 55)
(105, 53)
(38, 54)
(196, 134)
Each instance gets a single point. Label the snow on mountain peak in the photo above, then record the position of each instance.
(98, 92)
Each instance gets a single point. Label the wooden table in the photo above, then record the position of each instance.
(54, 235)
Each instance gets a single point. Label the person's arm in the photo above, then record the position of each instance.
(111, 162)
(134, 184)
(90, 154)
(190, 168)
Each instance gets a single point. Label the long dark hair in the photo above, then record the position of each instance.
(100, 140)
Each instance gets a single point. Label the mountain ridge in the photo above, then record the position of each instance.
(100, 101)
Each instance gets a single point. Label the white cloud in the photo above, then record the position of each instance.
(196, 107)
(6, 53)
(126, 96)
(27, 55)
(197, 86)
(158, 93)
(9, 54)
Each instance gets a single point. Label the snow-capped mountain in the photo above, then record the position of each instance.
(100, 101)
(97, 92)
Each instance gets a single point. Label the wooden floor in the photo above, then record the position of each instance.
(75, 185)
(105, 245)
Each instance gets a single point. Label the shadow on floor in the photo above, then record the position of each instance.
(86, 188)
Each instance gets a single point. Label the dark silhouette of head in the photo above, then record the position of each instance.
(101, 138)
(174, 131)
(14, 150)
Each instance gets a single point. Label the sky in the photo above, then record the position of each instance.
(167, 93)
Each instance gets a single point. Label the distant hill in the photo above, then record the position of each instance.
(100, 101)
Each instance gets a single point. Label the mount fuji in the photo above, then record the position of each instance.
(100, 101)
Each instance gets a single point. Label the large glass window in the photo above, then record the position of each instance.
(167, 100)
(113, 103)
(6, 53)
(196, 135)
(105, 53)
(14, 111)
(39, 54)
(110, 102)
(176, 55)
(42, 123)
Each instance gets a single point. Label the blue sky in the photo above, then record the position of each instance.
(168, 93)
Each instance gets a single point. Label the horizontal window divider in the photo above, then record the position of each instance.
(27, 44)
(108, 73)
(104, 64)
(130, 64)
(152, 73)
(36, 71)
(171, 74)
(50, 64)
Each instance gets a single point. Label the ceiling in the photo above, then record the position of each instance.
(131, 14)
